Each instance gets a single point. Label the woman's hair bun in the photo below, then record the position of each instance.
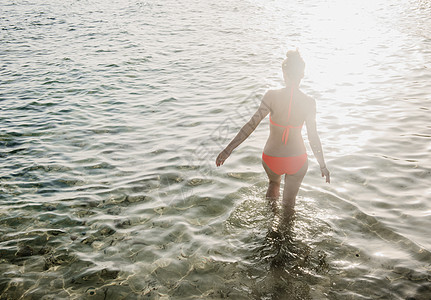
(293, 53)
(293, 66)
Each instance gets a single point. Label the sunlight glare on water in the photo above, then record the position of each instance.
(112, 114)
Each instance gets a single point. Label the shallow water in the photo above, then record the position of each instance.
(111, 118)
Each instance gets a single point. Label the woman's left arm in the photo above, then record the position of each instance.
(247, 129)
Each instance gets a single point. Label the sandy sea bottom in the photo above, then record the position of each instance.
(112, 115)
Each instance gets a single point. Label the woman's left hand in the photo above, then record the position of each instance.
(325, 173)
(222, 157)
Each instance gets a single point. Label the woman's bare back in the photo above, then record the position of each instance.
(300, 107)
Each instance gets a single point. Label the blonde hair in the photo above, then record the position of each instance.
(293, 66)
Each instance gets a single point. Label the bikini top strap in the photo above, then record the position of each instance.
(287, 127)
(290, 104)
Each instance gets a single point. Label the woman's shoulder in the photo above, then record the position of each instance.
(272, 95)
(274, 92)
(281, 93)
(310, 101)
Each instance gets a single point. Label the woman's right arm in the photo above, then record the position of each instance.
(247, 129)
(316, 145)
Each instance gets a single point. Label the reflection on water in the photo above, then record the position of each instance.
(291, 269)
(111, 117)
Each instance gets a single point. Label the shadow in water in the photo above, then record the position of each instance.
(283, 266)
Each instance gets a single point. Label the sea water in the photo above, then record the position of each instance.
(112, 114)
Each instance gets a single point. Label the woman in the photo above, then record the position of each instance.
(284, 152)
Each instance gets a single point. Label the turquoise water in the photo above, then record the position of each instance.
(112, 114)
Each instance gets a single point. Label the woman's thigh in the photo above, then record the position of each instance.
(292, 183)
(271, 175)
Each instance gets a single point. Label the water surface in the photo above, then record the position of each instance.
(112, 115)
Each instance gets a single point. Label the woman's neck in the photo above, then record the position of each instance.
(292, 83)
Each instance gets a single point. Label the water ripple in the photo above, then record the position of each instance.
(111, 118)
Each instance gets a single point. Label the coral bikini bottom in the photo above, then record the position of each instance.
(285, 165)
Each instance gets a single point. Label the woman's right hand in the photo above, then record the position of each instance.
(222, 157)
(325, 173)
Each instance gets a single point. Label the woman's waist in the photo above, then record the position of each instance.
(292, 148)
